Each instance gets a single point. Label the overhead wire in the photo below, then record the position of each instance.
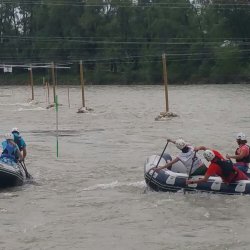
(91, 40)
(120, 37)
(112, 42)
(132, 4)
(171, 57)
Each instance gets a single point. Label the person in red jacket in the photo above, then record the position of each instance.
(220, 167)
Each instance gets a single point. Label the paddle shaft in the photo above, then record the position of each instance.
(57, 145)
(25, 169)
(193, 159)
(158, 162)
(190, 171)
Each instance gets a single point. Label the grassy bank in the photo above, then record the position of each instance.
(110, 79)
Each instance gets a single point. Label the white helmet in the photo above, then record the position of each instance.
(180, 144)
(241, 136)
(208, 155)
(15, 130)
(9, 136)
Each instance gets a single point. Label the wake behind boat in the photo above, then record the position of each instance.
(11, 173)
(175, 179)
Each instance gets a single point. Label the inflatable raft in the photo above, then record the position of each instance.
(11, 174)
(175, 179)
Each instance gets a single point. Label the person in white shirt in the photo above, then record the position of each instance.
(188, 158)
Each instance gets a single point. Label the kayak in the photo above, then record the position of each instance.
(11, 173)
(174, 180)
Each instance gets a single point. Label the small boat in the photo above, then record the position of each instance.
(174, 180)
(11, 173)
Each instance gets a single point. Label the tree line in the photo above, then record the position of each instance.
(122, 41)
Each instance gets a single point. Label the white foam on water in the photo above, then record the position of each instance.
(32, 102)
(25, 104)
(115, 184)
(32, 109)
(8, 195)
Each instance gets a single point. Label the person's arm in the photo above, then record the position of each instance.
(18, 153)
(24, 152)
(204, 179)
(169, 140)
(3, 145)
(169, 164)
(200, 148)
(241, 155)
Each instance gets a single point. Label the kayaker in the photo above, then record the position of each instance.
(219, 166)
(186, 157)
(242, 153)
(10, 149)
(20, 142)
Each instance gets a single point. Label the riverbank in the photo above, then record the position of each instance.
(70, 79)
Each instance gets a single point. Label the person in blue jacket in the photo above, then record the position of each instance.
(10, 151)
(20, 142)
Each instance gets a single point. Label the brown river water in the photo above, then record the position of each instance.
(92, 196)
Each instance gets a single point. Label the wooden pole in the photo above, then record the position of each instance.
(57, 144)
(165, 77)
(68, 97)
(82, 84)
(2, 21)
(53, 80)
(48, 86)
(31, 83)
(45, 89)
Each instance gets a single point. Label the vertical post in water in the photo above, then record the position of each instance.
(53, 80)
(2, 21)
(45, 90)
(56, 105)
(48, 86)
(165, 77)
(82, 84)
(31, 83)
(68, 98)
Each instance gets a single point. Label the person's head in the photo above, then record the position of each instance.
(209, 155)
(15, 131)
(181, 144)
(241, 138)
(9, 137)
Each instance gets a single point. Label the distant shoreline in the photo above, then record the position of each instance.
(16, 83)
(74, 80)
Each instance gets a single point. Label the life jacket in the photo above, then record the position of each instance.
(229, 172)
(9, 152)
(246, 159)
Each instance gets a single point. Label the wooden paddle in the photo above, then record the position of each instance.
(28, 175)
(190, 170)
(158, 162)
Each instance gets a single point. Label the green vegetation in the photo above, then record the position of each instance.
(122, 41)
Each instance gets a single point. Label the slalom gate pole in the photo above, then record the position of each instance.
(56, 105)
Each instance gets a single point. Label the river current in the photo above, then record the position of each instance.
(92, 196)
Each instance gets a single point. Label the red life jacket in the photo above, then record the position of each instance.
(246, 159)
